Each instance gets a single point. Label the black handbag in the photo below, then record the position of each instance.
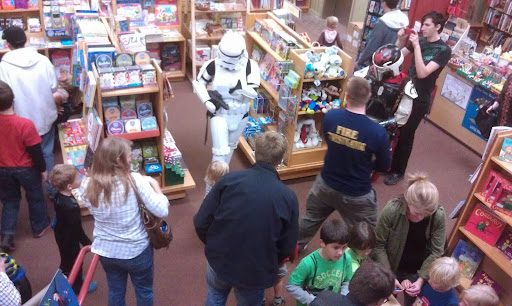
(159, 232)
(484, 121)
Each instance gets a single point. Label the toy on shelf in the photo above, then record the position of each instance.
(326, 64)
(306, 135)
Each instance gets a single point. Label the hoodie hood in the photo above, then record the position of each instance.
(23, 57)
(395, 19)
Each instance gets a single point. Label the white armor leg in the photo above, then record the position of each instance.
(219, 131)
(234, 136)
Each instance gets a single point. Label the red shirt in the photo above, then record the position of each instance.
(16, 134)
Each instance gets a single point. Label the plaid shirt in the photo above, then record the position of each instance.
(118, 229)
(9, 296)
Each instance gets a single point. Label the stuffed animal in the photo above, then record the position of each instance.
(306, 135)
(310, 71)
(331, 93)
(333, 67)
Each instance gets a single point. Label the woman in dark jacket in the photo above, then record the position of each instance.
(503, 104)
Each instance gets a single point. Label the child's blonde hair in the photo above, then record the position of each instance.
(480, 295)
(62, 175)
(331, 21)
(445, 271)
(215, 171)
(422, 194)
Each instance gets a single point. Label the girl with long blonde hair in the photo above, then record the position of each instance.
(119, 235)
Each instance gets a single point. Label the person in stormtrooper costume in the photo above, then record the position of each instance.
(234, 79)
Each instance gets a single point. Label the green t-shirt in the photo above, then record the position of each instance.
(356, 259)
(329, 274)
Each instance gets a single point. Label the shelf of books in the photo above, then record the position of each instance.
(498, 23)
(481, 240)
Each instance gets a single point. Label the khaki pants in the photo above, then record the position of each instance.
(323, 200)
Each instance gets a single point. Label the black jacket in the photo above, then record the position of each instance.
(249, 223)
(329, 298)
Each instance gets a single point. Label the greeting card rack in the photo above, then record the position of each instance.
(495, 263)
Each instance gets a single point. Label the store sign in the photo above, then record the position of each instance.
(456, 90)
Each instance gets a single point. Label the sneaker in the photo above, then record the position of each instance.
(7, 244)
(393, 179)
(42, 232)
(92, 287)
(278, 301)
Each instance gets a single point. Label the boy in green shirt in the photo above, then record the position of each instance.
(361, 243)
(328, 268)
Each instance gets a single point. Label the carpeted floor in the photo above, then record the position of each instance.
(180, 271)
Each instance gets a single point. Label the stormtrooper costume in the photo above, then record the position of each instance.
(234, 79)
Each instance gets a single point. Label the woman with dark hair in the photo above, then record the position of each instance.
(502, 104)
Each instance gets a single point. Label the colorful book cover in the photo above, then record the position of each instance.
(506, 150)
(171, 60)
(469, 258)
(267, 66)
(166, 14)
(59, 292)
(75, 155)
(483, 278)
(484, 224)
(504, 244)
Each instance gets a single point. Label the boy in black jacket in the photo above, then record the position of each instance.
(67, 224)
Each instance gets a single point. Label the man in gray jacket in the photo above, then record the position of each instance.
(385, 30)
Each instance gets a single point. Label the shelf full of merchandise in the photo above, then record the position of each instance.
(495, 263)
(373, 12)
(497, 22)
(177, 39)
(305, 162)
(156, 97)
(190, 12)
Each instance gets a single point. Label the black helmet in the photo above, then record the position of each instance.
(387, 61)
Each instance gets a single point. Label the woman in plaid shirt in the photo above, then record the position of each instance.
(119, 235)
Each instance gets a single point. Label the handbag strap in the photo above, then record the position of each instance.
(141, 204)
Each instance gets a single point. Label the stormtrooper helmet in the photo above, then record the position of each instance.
(387, 61)
(232, 51)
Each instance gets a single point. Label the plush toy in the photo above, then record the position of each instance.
(333, 67)
(331, 93)
(306, 135)
(309, 71)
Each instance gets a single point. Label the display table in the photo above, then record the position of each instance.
(448, 116)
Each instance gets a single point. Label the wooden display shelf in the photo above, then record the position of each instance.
(302, 113)
(491, 252)
(273, 93)
(138, 135)
(263, 44)
(503, 164)
(464, 283)
(174, 74)
(285, 172)
(180, 191)
(324, 79)
(207, 38)
(130, 91)
(220, 12)
(6, 12)
(502, 216)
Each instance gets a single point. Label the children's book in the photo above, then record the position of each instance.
(75, 155)
(483, 278)
(267, 67)
(469, 258)
(504, 244)
(484, 224)
(59, 292)
(506, 150)
(94, 129)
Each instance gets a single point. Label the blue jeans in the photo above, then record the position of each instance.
(140, 270)
(47, 143)
(11, 180)
(219, 290)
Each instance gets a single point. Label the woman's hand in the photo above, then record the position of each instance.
(154, 184)
(494, 106)
(406, 284)
(415, 288)
(398, 286)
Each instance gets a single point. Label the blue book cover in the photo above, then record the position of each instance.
(506, 150)
(59, 292)
(469, 258)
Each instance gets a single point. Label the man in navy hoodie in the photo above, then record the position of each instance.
(249, 224)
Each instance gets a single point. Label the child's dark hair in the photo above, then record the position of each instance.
(391, 3)
(62, 175)
(362, 236)
(437, 18)
(334, 231)
(6, 96)
(371, 282)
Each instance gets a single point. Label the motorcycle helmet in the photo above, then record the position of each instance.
(387, 61)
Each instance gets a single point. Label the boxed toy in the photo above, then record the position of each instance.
(171, 57)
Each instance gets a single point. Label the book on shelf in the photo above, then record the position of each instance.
(75, 155)
(506, 150)
(483, 278)
(504, 244)
(469, 258)
(485, 224)
(94, 129)
(72, 133)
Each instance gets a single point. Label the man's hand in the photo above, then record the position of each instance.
(413, 38)
(44, 176)
(401, 34)
(415, 288)
(210, 107)
(406, 284)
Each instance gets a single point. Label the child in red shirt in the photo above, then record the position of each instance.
(21, 165)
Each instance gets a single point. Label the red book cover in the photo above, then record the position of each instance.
(504, 244)
(483, 278)
(484, 224)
